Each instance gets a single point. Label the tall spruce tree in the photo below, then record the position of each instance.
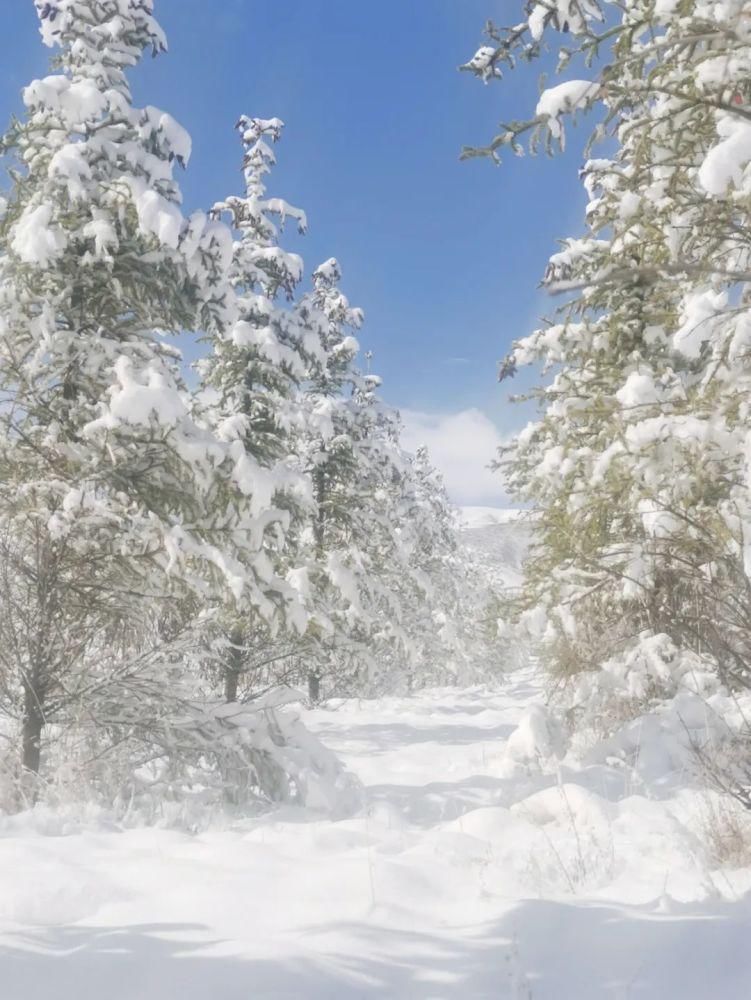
(369, 554)
(636, 467)
(446, 596)
(112, 509)
(252, 383)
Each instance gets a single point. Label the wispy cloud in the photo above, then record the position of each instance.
(461, 446)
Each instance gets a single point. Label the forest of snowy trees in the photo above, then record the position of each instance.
(276, 717)
(175, 540)
(184, 548)
(178, 539)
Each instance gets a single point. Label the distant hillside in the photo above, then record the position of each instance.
(498, 539)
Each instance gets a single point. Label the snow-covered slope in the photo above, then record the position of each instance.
(498, 539)
(483, 517)
(479, 870)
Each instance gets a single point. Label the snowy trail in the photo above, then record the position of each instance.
(471, 874)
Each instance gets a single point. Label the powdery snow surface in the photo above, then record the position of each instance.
(479, 869)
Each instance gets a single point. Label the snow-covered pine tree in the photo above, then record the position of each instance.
(444, 595)
(328, 457)
(349, 453)
(637, 467)
(111, 507)
(381, 524)
(250, 382)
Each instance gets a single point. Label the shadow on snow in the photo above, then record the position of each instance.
(543, 950)
(385, 737)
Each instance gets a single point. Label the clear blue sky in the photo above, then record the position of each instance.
(444, 257)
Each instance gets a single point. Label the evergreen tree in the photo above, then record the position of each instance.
(349, 452)
(110, 502)
(252, 380)
(443, 593)
(382, 533)
(636, 466)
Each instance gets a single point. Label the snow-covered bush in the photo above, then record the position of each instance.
(726, 831)
(147, 745)
(649, 672)
(660, 712)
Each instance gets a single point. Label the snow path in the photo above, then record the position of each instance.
(470, 875)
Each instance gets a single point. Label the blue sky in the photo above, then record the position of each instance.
(444, 257)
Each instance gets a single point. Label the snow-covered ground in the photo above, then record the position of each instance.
(476, 870)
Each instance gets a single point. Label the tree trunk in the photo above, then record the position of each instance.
(319, 524)
(314, 686)
(319, 535)
(33, 723)
(234, 666)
